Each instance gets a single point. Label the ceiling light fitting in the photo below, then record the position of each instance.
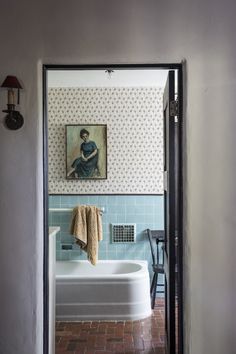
(109, 73)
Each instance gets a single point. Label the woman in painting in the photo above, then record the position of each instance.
(85, 165)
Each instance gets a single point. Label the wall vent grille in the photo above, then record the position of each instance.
(123, 233)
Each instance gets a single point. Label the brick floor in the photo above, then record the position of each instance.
(104, 337)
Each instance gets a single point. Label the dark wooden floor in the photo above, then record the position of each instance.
(123, 337)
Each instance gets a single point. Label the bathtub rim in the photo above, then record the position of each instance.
(106, 277)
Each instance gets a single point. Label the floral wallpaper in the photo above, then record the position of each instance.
(134, 138)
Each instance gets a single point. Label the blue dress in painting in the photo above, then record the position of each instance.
(85, 169)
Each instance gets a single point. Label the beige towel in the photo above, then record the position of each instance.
(86, 226)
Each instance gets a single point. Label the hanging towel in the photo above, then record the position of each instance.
(86, 227)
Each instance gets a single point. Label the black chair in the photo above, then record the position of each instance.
(156, 240)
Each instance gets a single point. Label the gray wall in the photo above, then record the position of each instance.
(131, 31)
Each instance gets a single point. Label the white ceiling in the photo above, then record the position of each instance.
(100, 78)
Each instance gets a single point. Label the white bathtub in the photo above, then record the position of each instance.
(111, 290)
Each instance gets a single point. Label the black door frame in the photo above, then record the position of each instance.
(162, 66)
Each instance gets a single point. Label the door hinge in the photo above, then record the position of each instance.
(176, 238)
(174, 108)
(165, 181)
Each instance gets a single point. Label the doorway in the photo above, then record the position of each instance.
(110, 72)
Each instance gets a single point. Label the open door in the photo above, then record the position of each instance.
(171, 213)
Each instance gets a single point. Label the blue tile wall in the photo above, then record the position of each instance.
(146, 211)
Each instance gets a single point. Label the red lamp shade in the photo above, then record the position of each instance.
(11, 82)
(13, 119)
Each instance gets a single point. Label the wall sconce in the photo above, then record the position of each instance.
(13, 119)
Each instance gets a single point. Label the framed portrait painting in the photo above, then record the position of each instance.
(86, 151)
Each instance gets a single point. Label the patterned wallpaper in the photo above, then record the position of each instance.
(134, 138)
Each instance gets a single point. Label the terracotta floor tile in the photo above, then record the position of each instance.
(113, 337)
(111, 330)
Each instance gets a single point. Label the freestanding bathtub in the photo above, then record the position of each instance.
(111, 290)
